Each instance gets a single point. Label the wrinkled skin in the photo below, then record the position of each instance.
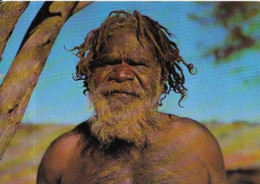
(176, 150)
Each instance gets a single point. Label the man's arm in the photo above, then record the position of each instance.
(55, 160)
(206, 148)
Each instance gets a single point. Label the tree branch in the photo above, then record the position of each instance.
(9, 15)
(18, 84)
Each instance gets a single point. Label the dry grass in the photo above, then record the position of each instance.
(240, 143)
(21, 159)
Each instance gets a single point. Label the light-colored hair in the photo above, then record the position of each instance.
(166, 51)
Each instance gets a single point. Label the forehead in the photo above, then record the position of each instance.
(127, 45)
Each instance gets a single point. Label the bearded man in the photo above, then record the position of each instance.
(128, 65)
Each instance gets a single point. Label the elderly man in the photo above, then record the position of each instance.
(128, 66)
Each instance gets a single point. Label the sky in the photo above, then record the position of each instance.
(223, 93)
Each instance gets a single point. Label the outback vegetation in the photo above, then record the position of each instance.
(19, 82)
(239, 19)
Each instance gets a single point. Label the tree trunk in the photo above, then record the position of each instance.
(9, 15)
(25, 70)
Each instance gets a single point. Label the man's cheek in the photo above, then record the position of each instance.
(99, 76)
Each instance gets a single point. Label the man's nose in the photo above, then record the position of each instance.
(122, 72)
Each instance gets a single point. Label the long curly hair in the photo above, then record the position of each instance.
(166, 51)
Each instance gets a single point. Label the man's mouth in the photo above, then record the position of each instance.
(120, 93)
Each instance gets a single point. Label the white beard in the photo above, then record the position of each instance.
(129, 120)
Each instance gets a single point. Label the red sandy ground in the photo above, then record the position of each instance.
(240, 143)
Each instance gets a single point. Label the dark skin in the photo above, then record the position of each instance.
(180, 150)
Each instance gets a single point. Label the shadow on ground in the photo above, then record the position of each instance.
(239, 142)
(244, 176)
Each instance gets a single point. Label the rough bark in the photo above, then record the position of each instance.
(25, 70)
(9, 15)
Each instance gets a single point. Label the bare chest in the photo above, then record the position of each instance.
(151, 167)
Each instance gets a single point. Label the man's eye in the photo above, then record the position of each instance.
(137, 64)
(140, 67)
(103, 63)
(114, 62)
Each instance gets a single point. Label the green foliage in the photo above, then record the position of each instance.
(238, 140)
(241, 20)
(25, 151)
(252, 82)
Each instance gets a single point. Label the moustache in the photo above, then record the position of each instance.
(126, 88)
(121, 91)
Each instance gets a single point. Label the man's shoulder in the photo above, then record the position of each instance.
(64, 143)
(57, 157)
(67, 143)
(69, 140)
(185, 127)
(196, 139)
(192, 135)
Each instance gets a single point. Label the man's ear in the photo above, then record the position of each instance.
(163, 93)
(163, 85)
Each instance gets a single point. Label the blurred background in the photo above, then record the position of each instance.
(222, 39)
